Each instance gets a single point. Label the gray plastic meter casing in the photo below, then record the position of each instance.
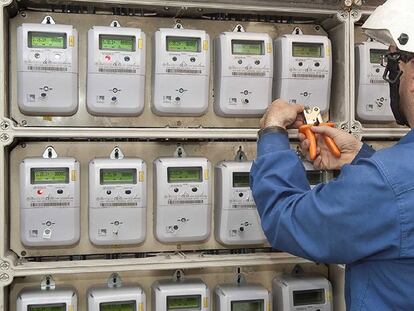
(194, 289)
(373, 92)
(303, 79)
(49, 211)
(65, 298)
(294, 293)
(236, 219)
(116, 76)
(231, 297)
(243, 74)
(181, 77)
(125, 296)
(182, 207)
(47, 76)
(117, 209)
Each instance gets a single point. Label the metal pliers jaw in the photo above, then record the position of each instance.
(313, 117)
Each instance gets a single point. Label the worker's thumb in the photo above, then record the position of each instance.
(326, 130)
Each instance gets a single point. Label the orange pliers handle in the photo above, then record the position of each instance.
(333, 148)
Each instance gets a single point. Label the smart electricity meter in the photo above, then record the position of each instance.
(373, 92)
(236, 219)
(245, 297)
(47, 300)
(117, 201)
(125, 298)
(181, 72)
(188, 295)
(294, 293)
(116, 71)
(182, 199)
(243, 74)
(47, 69)
(49, 201)
(314, 176)
(303, 70)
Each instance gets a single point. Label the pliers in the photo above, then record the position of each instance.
(312, 117)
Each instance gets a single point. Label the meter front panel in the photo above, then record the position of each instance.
(116, 71)
(125, 298)
(187, 295)
(373, 92)
(314, 176)
(49, 201)
(117, 201)
(182, 199)
(47, 69)
(303, 70)
(237, 221)
(181, 72)
(296, 293)
(244, 297)
(244, 74)
(47, 300)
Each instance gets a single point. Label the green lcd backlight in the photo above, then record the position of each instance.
(184, 174)
(241, 179)
(183, 44)
(375, 56)
(118, 306)
(118, 176)
(48, 307)
(46, 175)
(300, 49)
(117, 43)
(184, 302)
(247, 305)
(46, 40)
(247, 47)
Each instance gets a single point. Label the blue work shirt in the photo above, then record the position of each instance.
(364, 218)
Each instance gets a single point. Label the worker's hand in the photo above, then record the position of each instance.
(281, 113)
(325, 160)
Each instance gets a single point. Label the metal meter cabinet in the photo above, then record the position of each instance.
(16, 128)
(366, 129)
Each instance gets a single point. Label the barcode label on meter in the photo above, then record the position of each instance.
(308, 75)
(172, 202)
(47, 68)
(119, 204)
(50, 204)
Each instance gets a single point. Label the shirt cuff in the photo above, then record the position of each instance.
(271, 142)
(365, 152)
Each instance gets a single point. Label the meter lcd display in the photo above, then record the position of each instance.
(118, 306)
(308, 297)
(117, 43)
(183, 44)
(300, 49)
(375, 56)
(184, 302)
(46, 40)
(48, 307)
(184, 174)
(247, 305)
(118, 176)
(241, 179)
(44, 175)
(314, 177)
(247, 47)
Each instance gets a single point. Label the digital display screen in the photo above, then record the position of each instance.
(118, 306)
(184, 174)
(183, 44)
(45, 175)
(117, 43)
(241, 179)
(48, 307)
(314, 177)
(308, 297)
(46, 40)
(247, 305)
(118, 176)
(247, 47)
(375, 56)
(300, 49)
(184, 302)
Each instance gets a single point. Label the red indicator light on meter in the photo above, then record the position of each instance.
(107, 58)
(40, 192)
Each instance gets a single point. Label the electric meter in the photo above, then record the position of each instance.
(236, 219)
(181, 72)
(303, 70)
(47, 300)
(117, 201)
(125, 298)
(183, 295)
(182, 199)
(47, 69)
(244, 73)
(49, 201)
(244, 297)
(294, 293)
(116, 71)
(373, 92)
(313, 175)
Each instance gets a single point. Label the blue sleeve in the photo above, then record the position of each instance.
(365, 152)
(343, 221)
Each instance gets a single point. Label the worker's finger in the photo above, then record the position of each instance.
(318, 162)
(326, 130)
(299, 108)
(301, 137)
